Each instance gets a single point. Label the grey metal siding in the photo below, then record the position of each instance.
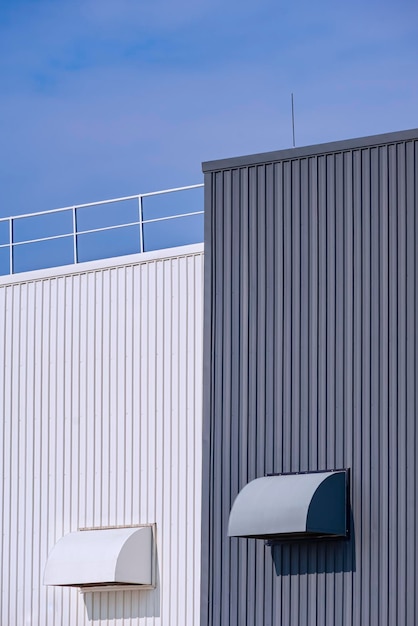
(311, 363)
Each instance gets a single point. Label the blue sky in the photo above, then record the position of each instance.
(105, 98)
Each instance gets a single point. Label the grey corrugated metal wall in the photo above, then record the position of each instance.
(311, 363)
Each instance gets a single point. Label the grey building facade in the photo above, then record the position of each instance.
(311, 335)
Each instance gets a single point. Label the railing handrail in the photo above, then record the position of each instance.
(74, 232)
(99, 202)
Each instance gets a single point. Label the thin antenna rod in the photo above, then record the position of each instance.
(293, 122)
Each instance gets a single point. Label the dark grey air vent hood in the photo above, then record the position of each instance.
(292, 507)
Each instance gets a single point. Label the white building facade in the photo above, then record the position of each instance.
(100, 393)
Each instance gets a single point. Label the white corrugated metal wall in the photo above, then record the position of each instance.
(100, 396)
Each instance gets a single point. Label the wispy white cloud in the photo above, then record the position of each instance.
(111, 98)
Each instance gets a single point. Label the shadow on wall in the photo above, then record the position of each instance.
(315, 557)
(112, 605)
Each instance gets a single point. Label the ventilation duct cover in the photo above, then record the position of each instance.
(105, 557)
(292, 506)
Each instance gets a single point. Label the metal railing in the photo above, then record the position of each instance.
(11, 242)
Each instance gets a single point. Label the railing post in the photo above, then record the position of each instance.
(11, 245)
(73, 209)
(74, 235)
(141, 224)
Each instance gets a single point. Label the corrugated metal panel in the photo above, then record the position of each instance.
(100, 396)
(311, 363)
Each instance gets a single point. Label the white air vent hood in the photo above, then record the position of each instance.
(105, 558)
(292, 506)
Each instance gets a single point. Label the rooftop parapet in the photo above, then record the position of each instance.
(99, 230)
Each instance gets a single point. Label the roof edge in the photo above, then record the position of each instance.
(312, 150)
(86, 267)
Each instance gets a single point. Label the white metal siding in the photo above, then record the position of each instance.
(100, 396)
